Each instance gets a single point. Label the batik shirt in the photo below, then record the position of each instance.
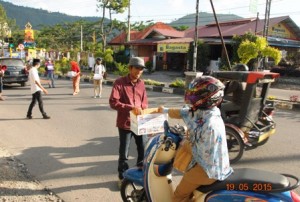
(208, 137)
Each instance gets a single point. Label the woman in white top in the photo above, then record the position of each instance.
(99, 70)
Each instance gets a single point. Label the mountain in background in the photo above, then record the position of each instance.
(204, 19)
(39, 17)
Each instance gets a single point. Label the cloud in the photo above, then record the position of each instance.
(176, 4)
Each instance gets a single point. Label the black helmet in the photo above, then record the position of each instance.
(240, 67)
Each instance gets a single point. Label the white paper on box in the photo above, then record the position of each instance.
(147, 123)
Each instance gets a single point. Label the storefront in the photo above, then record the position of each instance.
(172, 55)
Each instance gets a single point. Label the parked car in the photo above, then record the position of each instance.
(16, 71)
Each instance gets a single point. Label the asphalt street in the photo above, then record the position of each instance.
(75, 152)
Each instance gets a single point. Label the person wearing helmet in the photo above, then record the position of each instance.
(233, 93)
(207, 136)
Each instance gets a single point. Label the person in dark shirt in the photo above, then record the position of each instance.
(129, 93)
(49, 66)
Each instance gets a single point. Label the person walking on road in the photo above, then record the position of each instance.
(98, 70)
(36, 90)
(2, 70)
(49, 66)
(76, 79)
(129, 93)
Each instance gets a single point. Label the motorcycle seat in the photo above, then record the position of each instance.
(249, 179)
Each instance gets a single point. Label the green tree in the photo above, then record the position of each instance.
(139, 26)
(181, 27)
(203, 53)
(12, 27)
(236, 41)
(116, 6)
(66, 36)
(257, 50)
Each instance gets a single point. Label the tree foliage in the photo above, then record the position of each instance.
(116, 6)
(250, 50)
(203, 53)
(67, 36)
(236, 41)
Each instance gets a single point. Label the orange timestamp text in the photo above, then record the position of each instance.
(249, 187)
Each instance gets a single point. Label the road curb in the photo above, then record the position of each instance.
(278, 104)
(284, 104)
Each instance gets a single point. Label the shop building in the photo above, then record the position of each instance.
(167, 47)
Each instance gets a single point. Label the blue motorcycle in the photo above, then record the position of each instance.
(153, 182)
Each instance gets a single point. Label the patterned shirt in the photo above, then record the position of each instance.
(124, 96)
(208, 137)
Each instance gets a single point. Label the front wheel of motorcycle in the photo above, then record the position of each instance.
(235, 145)
(132, 192)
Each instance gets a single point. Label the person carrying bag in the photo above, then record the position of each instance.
(99, 71)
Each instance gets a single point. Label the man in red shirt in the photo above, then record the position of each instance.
(129, 93)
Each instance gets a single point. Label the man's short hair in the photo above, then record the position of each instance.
(36, 61)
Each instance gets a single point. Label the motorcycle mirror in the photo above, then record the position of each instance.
(166, 126)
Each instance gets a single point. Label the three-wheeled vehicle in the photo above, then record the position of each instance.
(252, 124)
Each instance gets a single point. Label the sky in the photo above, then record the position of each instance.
(169, 10)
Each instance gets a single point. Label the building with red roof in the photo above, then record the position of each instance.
(167, 47)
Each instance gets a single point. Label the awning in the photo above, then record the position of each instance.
(273, 41)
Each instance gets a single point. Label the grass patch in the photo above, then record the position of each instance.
(178, 83)
(153, 82)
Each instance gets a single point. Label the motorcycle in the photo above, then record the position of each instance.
(153, 182)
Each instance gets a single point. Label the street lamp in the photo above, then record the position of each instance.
(4, 31)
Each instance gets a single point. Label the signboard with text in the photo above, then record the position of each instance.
(173, 48)
(280, 30)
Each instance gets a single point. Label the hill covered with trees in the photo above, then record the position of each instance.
(204, 19)
(39, 17)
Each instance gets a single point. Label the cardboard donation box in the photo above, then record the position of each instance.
(149, 122)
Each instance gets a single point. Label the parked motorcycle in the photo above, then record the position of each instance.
(153, 182)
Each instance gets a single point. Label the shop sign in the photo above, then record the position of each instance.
(173, 48)
(280, 31)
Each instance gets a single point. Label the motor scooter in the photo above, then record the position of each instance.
(153, 182)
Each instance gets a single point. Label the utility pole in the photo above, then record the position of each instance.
(267, 18)
(266, 29)
(81, 38)
(256, 21)
(128, 23)
(221, 35)
(196, 37)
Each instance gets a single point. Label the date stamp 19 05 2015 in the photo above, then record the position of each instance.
(249, 187)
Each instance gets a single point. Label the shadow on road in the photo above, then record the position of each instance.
(289, 114)
(91, 161)
(270, 159)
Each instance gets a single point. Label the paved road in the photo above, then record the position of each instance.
(75, 152)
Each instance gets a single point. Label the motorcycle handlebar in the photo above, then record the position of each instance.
(168, 143)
